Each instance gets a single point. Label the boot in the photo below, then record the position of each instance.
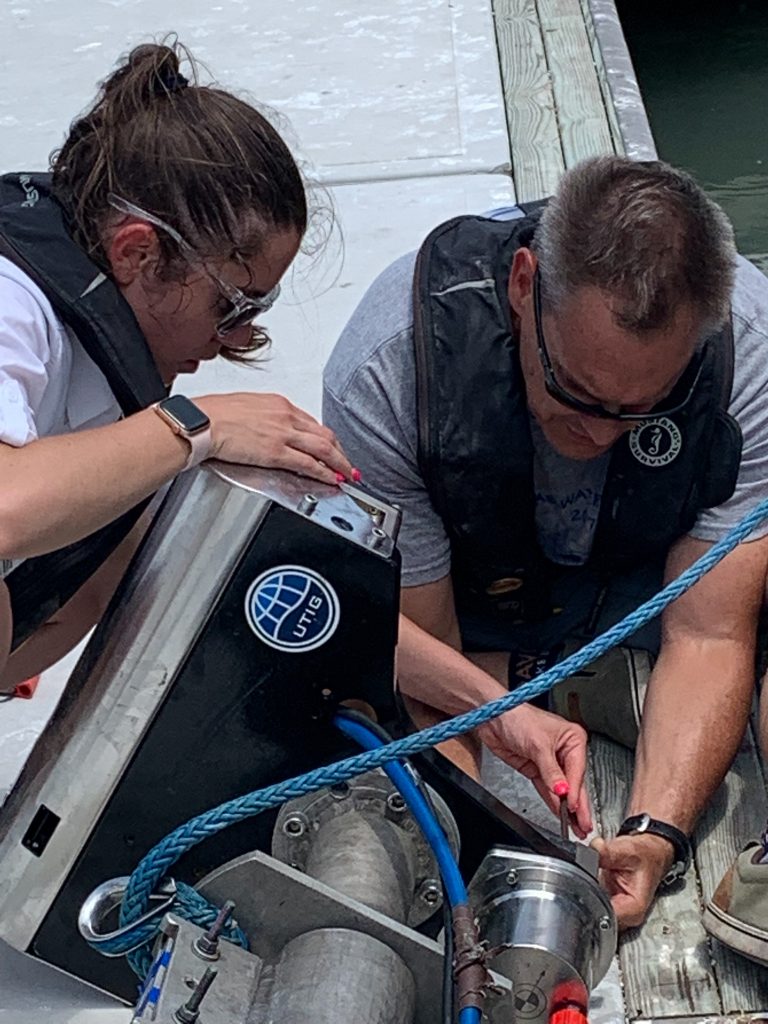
(607, 696)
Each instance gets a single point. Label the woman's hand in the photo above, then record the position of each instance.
(546, 749)
(268, 430)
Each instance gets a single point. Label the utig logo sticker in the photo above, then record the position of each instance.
(292, 609)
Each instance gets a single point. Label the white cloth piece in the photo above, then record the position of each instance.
(48, 383)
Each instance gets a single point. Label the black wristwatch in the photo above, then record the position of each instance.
(637, 824)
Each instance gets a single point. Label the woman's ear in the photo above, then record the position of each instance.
(132, 249)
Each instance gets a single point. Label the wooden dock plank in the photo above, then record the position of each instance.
(736, 814)
(602, 78)
(665, 965)
(748, 1019)
(621, 92)
(581, 114)
(537, 154)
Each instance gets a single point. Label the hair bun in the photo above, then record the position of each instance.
(169, 81)
(161, 65)
(150, 70)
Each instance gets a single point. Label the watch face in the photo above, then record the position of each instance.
(185, 413)
(638, 822)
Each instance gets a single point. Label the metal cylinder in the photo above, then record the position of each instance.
(367, 858)
(360, 839)
(551, 925)
(338, 976)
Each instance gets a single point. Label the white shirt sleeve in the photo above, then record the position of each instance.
(25, 361)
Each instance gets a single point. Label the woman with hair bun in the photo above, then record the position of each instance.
(161, 234)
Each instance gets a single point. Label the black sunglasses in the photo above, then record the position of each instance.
(686, 385)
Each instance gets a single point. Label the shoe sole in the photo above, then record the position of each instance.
(736, 935)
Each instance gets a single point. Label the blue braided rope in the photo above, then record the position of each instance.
(156, 864)
(190, 905)
(193, 907)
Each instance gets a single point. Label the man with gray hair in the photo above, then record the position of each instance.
(571, 404)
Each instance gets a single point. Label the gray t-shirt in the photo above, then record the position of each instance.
(369, 400)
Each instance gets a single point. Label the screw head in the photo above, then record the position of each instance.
(340, 791)
(431, 892)
(512, 877)
(396, 803)
(295, 825)
(605, 923)
(378, 536)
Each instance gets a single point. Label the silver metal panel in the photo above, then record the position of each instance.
(122, 680)
(229, 997)
(32, 992)
(345, 510)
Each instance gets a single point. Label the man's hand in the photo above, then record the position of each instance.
(546, 749)
(631, 870)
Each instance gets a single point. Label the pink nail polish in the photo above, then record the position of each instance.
(561, 788)
(340, 478)
(357, 476)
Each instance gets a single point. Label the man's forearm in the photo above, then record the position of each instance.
(693, 721)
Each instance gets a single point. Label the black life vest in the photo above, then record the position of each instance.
(474, 442)
(34, 236)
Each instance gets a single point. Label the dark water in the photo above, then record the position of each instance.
(703, 72)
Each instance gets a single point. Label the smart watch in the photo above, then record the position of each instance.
(637, 824)
(190, 422)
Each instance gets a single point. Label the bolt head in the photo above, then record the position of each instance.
(295, 825)
(206, 949)
(396, 803)
(430, 892)
(605, 923)
(512, 877)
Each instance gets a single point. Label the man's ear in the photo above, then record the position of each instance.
(132, 250)
(520, 285)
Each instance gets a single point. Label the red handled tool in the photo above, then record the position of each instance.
(561, 790)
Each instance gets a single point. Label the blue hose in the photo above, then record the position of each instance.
(398, 774)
